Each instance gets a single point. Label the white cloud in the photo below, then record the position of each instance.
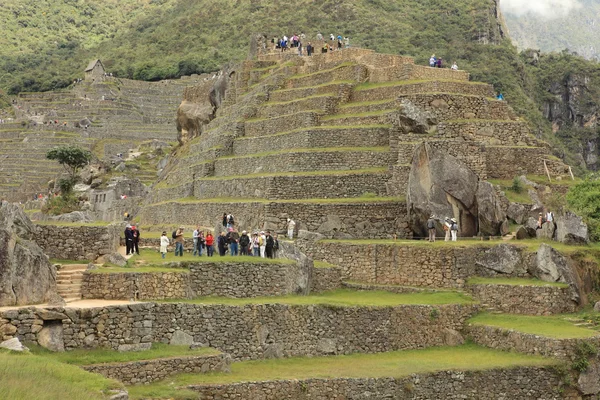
(544, 8)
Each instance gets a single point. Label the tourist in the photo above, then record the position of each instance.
(179, 241)
(222, 244)
(164, 243)
(302, 36)
(269, 243)
(339, 43)
(291, 225)
(540, 221)
(244, 243)
(300, 49)
(500, 96)
(331, 37)
(224, 220)
(309, 49)
(432, 61)
(454, 66)
(255, 244)
(201, 243)
(324, 48)
(439, 63)
(295, 40)
(431, 228)
(447, 225)
(209, 244)
(233, 238)
(195, 236)
(275, 245)
(230, 221)
(128, 240)
(549, 216)
(454, 229)
(347, 42)
(262, 242)
(136, 240)
(319, 36)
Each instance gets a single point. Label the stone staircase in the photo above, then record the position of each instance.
(68, 281)
(296, 130)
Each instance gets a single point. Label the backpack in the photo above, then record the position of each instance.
(454, 226)
(174, 235)
(430, 224)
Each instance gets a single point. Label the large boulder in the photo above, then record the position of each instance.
(503, 259)
(444, 186)
(546, 231)
(75, 216)
(26, 275)
(571, 229)
(517, 212)
(551, 266)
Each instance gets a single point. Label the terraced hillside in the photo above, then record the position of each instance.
(119, 114)
(329, 140)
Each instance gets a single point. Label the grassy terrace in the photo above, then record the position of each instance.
(556, 326)
(514, 282)
(317, 128)
(233, 200)
(101, 355)
(345, 298)
(381, 149)
(392, 364)
(357, 115)
(30, 376)
(373, 85)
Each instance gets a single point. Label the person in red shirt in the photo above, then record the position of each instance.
(209, 239)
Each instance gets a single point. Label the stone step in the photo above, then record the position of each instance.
(322, 136)
(73, 267)
(305, 160)
(370, 118)
(391, 90)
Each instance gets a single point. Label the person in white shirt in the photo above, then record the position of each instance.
(291, 225)
(454, 66)
(164, 242)
(195, 238)
(262, 240)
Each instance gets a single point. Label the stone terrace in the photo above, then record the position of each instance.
(334, 126)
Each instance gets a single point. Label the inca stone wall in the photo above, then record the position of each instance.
(533, 300)
(250, 331)
(148, 371)
(514, 383)
(243, 279)
(511, 340)
(78, 242)
(325, 279)
(136, 286)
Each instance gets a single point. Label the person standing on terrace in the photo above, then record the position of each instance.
(210, 240)
(164, 243)
(179, 241)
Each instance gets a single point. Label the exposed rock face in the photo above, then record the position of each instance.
(571, 229)
(503, 258)
(13, 344)
(551, 266)
(26, 275)
(546, 231)
(51, 336)
(180, 338)
(115, 258)
(441, 185)
(589, 380)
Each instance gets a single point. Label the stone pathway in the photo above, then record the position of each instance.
(78, 304)
(68, 281)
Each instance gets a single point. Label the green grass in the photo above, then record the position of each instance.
(101, 355)
(313, 128)
(396, 364)
(514, 281)
(374, 85)
(515, 197)
(316, 96)
(30, 376)
(67, 262)
(153, 257)
(557, 327)
(357, 115)
(347, 298)
(323, 264)
(309, 173)
(314, 87)
(366, 103)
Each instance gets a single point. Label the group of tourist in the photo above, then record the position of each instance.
(132, 240)
(285, 43)
(449, 225)
(435, 62)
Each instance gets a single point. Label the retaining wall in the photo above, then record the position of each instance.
(78, 242)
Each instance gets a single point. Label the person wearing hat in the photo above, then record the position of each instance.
(447, 226)
(164, 243)
(255, 244)
(453, 229)
(431, 228)
(128, 240)
(179, 241)
(244, 243)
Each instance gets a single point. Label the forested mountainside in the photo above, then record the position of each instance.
(576, 29)
(46, 44)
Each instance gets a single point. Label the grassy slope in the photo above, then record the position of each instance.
(28, 376)
(392, 364)
(558, 327)
(100, 355)
(345, 298)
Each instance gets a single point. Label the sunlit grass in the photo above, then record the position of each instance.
(514, 282)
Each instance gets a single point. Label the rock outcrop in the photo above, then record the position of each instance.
(442, 185)
(551, 266)
(571, 229)
(26, 275)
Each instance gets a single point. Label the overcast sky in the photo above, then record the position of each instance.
(544, 8)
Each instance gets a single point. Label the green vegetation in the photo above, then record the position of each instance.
(29, 376)
(101, 355)
(347, 298)
(393, 364)
(584, 198)
(513, 281)
(557, 327)
(322, 264)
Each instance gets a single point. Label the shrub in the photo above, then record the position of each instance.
(517, 185)
(584, 199)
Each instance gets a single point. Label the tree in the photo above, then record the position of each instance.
(73, 158)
